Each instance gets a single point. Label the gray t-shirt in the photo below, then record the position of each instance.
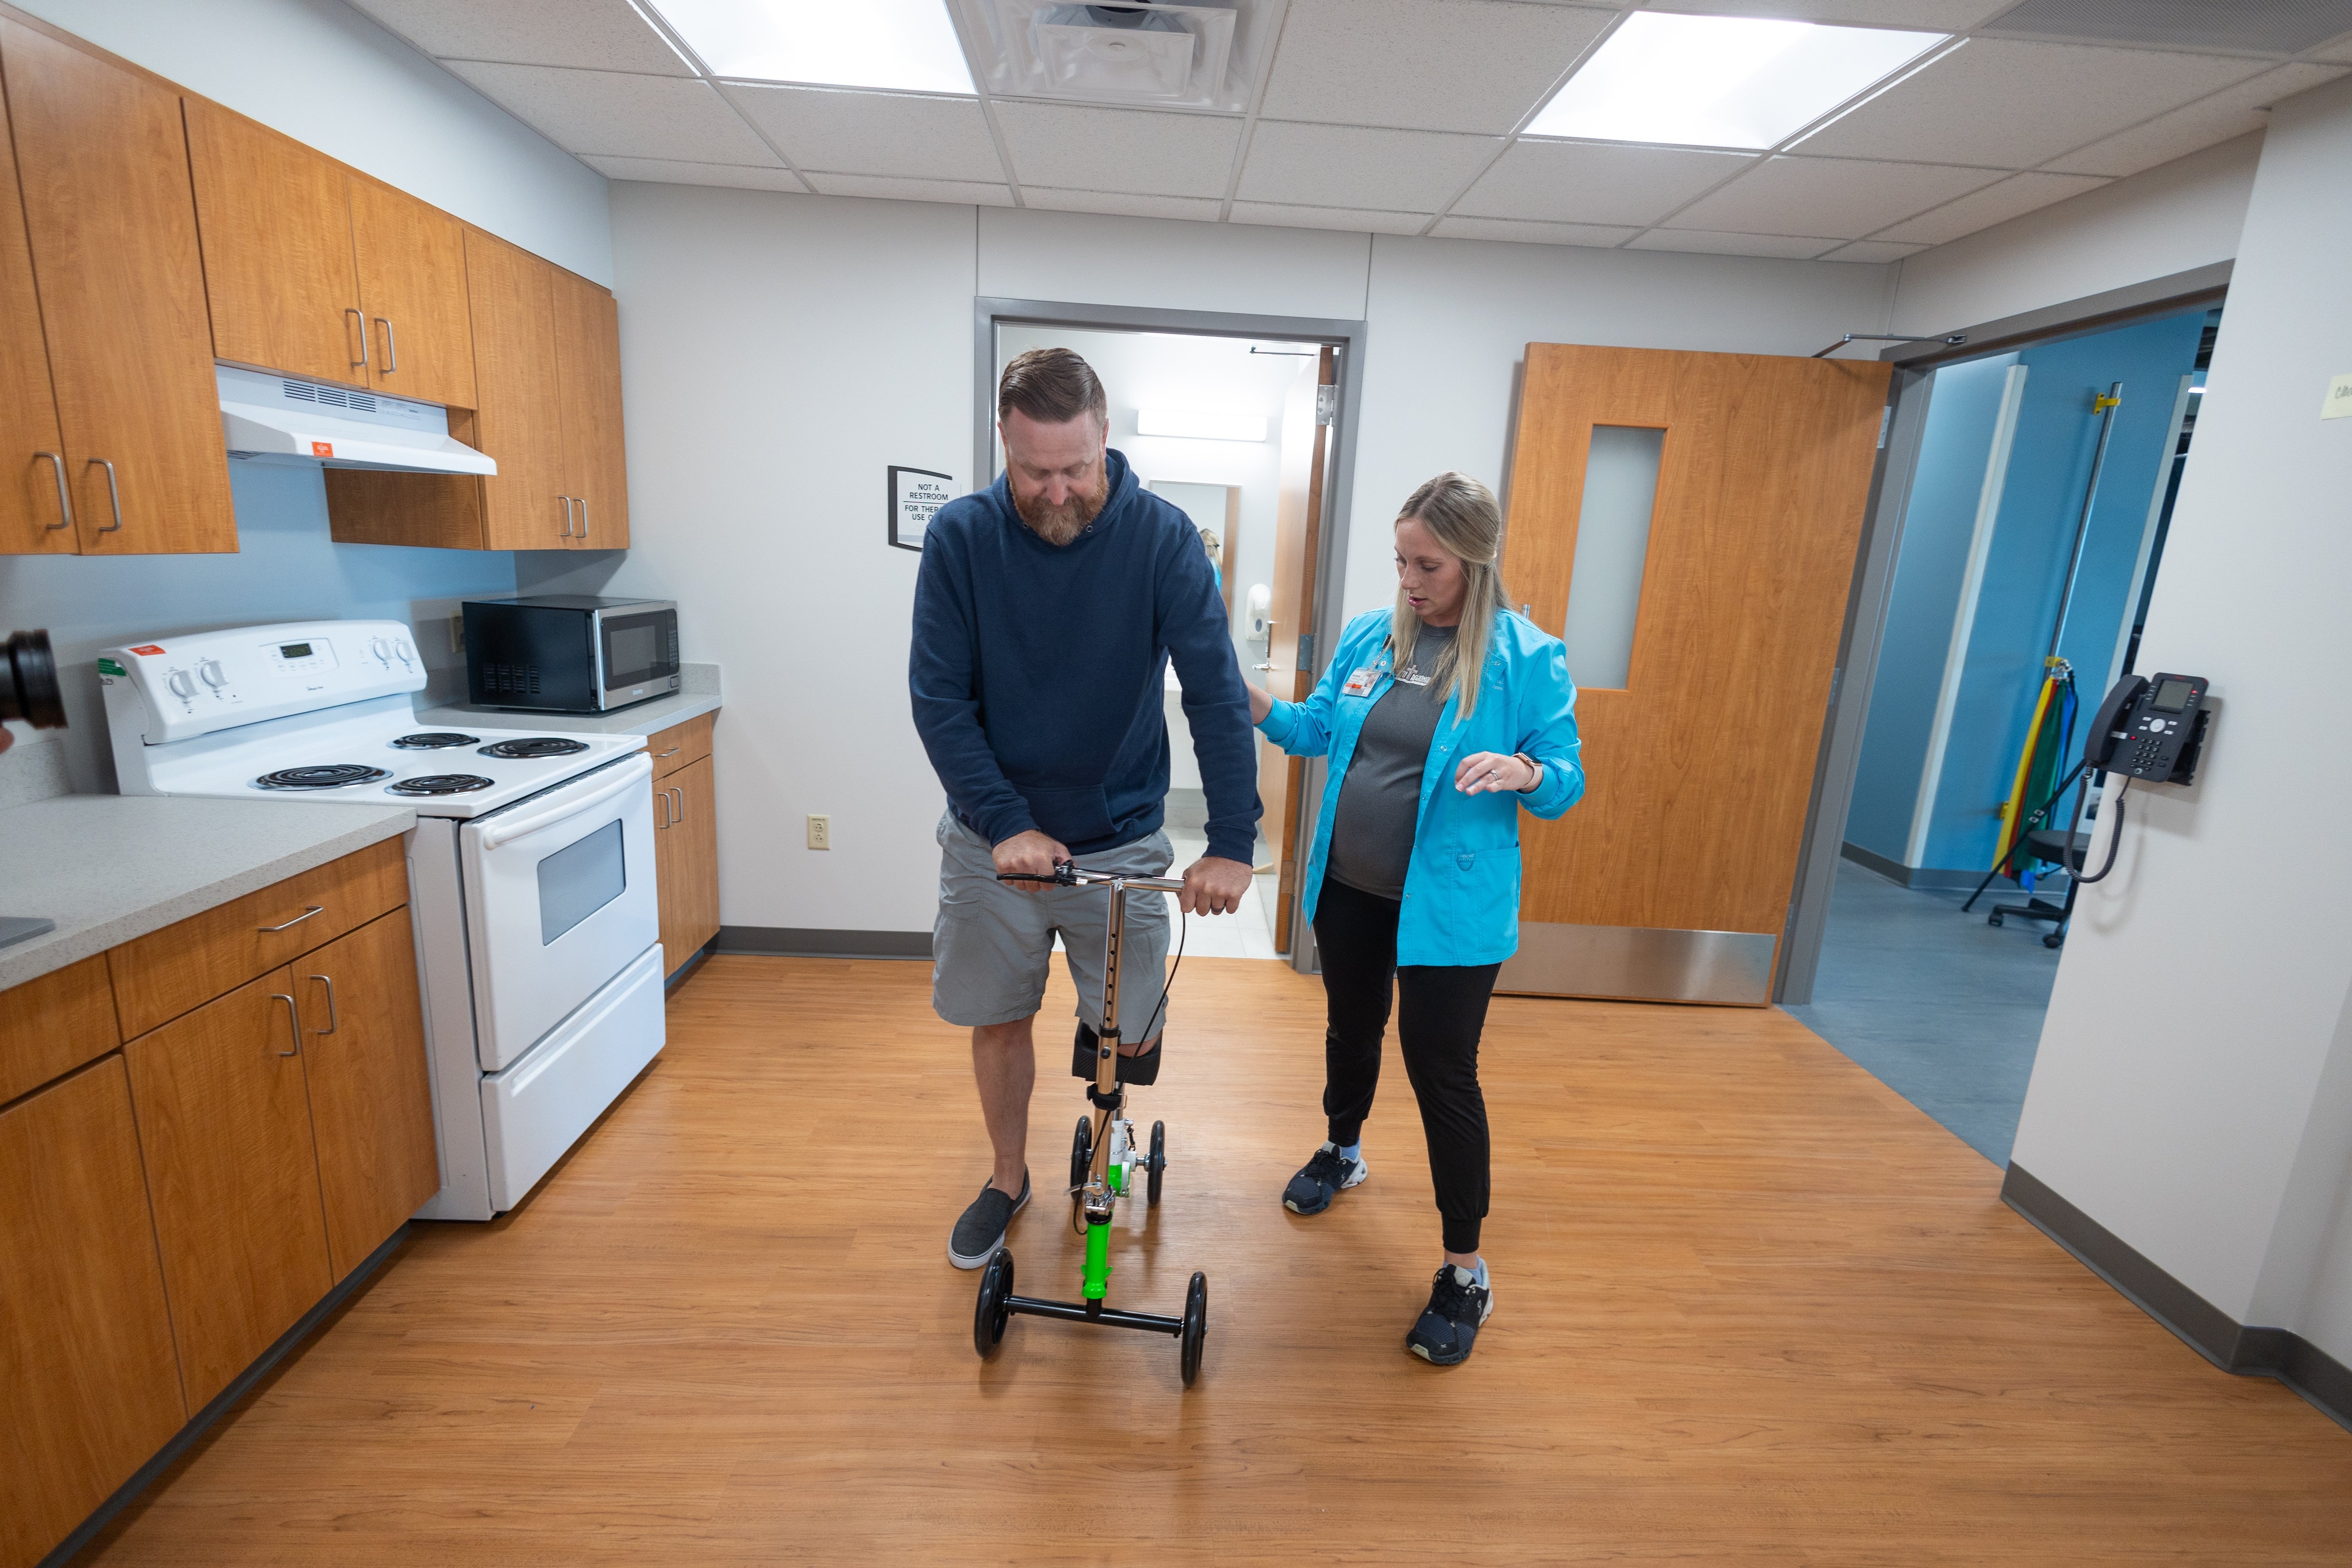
(1379, 800)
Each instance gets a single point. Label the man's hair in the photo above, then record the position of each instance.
(1052, 386)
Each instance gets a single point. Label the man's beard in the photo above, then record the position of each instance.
(1058, 525)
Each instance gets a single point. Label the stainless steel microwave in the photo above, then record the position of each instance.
(569, 653)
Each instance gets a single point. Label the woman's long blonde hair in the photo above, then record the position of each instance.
(1462, 515)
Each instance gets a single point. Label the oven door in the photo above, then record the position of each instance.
(559, 899)
(637, 653)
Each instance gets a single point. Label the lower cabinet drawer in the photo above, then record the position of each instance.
(51, 1026)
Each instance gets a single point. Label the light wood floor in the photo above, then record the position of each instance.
(1751, 1308)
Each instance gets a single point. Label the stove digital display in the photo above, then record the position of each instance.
(294, 650)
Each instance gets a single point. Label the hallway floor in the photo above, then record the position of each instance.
(1751, 1307)
(1941, 1008)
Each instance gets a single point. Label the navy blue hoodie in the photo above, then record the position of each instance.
(1039, 671)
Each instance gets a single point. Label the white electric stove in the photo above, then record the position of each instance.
(530, 871)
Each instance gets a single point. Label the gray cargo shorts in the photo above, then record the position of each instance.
(993, 943)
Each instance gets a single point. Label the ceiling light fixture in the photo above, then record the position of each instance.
(1721, 81)
(907, 45)
(1199, 425)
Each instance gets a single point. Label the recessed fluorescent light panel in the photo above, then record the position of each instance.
(1199, 425)
(1721, 81)
(909, 45)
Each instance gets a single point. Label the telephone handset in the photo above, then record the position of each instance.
(2151, 729)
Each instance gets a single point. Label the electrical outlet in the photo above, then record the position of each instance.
(820, 830)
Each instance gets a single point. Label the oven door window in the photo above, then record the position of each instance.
(579, 879)
(639, 649)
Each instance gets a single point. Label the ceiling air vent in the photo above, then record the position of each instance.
(1166, 53)
(2269, 26)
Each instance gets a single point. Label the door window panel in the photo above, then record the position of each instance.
(1612, 541)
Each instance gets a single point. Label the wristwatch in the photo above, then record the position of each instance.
(1533, 766)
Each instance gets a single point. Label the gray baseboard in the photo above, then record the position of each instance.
(2212, 1333)
(1904, 876)
(799, 942)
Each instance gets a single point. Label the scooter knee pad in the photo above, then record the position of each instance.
(1138, 1069)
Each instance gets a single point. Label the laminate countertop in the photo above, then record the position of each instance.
(698, 694)
(109, 868)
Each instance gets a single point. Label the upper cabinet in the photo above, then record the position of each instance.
(588, 373)
(102, 163)
(412, 265)
(36, 509)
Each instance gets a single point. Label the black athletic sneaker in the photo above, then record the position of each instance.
(979, 1233)
(1449, 1324)
(1326, 1174)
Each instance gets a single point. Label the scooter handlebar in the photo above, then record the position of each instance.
(1066, 875)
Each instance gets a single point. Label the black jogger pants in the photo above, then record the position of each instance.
(1441, 1011)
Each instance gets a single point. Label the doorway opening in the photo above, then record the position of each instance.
(1237, 423)
(2030, 542)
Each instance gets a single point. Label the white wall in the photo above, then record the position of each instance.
(2193, 1092)
(328, 76)
(778, 352)
(2171, 218)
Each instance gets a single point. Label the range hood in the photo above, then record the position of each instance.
(283, 418)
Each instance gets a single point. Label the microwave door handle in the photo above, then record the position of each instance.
(500, 830)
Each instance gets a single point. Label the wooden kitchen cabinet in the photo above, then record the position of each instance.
(36, 515)
(588, 377)
(52, 1025)
(686, 840)
(371, 1104)
(103, 161)
(412, 270)
(233, 1172)
(87, 1376)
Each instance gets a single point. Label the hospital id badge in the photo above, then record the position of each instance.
(1363, 681)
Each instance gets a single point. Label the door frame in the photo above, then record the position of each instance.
(1873, 572)
(1347, 337)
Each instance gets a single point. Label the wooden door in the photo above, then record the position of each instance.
(371, 1103)
(87, 1378)
(276, 225)
(224, 1125)
(103, 161)
(1671, 880)
(36, 515)
(588, 368)
(412, 281)
(519, 421)
(1297, 530)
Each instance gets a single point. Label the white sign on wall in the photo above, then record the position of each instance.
(915, 495)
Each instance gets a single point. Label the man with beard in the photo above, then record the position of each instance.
(1047, 610)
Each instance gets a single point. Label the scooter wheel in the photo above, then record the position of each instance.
(988, 1314)
(1158, 1165)
(1196, 1326)
(1082, 1153)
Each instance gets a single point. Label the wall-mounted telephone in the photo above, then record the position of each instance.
(2148, 730)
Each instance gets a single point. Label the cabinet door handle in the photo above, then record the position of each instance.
(307, 911)
(682, 803)
(114, 494)
(335, 1022)
(355, 311)
(567, 515)
(391, 346)
(583, 517)
(293, 1023)
(662, 796)
(671, 753)
(65, 497)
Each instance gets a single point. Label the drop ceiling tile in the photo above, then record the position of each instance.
(1873, 250)
(963, 193)
(2232, 112)
(1840, 196)
(1358, 167)
(2238, 26)
(2000, 101)
(1354, 220)
(1706, 242)
(1586, 181)
(1589, 234)
(1995, 204)
(1931, 16)
(1200, 209)
(673, 172)
(1074, 148)
(1423, 65)
(628, 116)
(902, 135)
(593, 35)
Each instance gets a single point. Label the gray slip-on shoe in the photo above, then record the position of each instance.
(980, 1233)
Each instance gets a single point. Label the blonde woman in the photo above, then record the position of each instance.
(1445, 717)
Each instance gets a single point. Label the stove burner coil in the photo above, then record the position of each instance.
(325, 775)
(435, 739)
(535, 746)
(441, 784)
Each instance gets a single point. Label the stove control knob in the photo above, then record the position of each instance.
(214, 676)
(382, 650)
(182, 684)
(407, 654)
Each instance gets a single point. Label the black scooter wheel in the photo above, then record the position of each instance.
(1157, 1164)
(1082, 1152)
(1196, 1326)
(988, 1314)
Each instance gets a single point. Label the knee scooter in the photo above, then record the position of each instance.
(1103, 1162)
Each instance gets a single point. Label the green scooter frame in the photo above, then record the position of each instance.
(1103, 1162)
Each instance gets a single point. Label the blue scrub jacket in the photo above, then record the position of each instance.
(1462, 886)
